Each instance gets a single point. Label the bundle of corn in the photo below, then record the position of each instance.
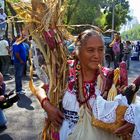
(45, 18)
(45, 24)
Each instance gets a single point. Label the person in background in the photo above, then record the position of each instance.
(127, 53)
(11, 49)
(3, 119)
(19, 54)
(115, 45)
(27, 47)
(4, 56)
(121, 50)
(138, 47)
(3, 17)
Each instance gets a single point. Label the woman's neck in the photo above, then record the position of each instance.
(89, 75)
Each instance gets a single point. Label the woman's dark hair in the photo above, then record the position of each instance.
(85, 35)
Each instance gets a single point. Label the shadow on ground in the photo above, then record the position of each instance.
(5, 137)
(25, 102)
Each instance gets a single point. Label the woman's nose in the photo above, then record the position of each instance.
(96, 54)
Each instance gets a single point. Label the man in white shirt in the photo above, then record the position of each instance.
(4, 56)
(3, 17)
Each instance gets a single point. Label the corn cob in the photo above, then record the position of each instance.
(113, 91)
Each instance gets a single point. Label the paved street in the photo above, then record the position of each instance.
(25, 118)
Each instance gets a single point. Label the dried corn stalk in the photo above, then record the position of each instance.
(43, 18)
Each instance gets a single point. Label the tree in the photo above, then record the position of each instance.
(132, 34)
(89, 12)
(121, 13)
(83, 12)
(11, 12)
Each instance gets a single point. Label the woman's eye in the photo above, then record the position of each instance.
(101, 49)
(90, 50)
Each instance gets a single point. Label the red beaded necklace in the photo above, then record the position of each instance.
(82, 96)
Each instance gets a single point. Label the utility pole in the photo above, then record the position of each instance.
(113, 17)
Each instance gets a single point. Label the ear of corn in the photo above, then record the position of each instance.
(113, 91)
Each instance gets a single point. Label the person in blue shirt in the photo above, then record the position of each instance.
(19, 54)
(27, 47)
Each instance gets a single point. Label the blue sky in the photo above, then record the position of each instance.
(135, 6)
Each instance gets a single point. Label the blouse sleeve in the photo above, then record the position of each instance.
(132, 115)
(129, 114)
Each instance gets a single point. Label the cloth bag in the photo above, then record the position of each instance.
(85, 131)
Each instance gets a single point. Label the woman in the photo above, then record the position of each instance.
(116, 49)
(82, 89)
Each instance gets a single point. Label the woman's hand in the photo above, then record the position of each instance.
(126, 130)
(54, 114)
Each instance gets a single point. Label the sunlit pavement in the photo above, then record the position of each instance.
(26, 118)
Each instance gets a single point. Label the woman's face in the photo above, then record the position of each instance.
(117, 37)
(92, 53)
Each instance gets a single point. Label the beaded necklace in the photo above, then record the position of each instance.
(82, 97)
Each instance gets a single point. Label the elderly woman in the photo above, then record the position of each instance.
(81, 92)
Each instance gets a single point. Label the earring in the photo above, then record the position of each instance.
(78, 68)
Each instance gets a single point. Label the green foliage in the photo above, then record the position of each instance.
(83, 12)
(14, 1)
(121, 14)
(89, 12)
(133, 34)
(7, 8)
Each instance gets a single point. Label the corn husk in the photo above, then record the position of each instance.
(113, 91)
(42, 18)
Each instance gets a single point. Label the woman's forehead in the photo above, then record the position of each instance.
(94, 41)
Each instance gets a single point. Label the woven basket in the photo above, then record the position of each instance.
(111, 127)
